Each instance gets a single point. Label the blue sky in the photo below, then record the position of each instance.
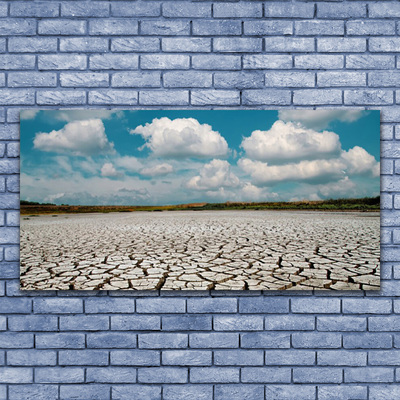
(139, 157)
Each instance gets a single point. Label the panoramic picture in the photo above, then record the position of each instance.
(200, 200)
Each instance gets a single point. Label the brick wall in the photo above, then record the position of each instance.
(203, 345)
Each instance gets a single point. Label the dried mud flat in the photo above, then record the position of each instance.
(227, 250)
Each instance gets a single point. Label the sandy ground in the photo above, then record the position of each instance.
(257, 250)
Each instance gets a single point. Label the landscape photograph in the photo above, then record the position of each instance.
(200, 199)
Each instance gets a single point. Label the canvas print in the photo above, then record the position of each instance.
(200, 200)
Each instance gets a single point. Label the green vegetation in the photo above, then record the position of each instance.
(363, 204)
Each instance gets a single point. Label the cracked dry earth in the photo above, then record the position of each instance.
(260, 250)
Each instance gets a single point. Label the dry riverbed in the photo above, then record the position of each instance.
(227, 250)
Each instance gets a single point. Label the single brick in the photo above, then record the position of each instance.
(186, 79)
(11, 254)
(214, 375)
(64, 97)
(216, 27)
(268, 27)
(109, 96)
(93, 391)
(288, 10)
(237, 45)
(344, 392)
(234, 392)
(165, 28)
(386, 236)
(153, 98)
(216, 62)
(179, 9)
(288, 44)
(19, 26)
(367, 306)
(290, 357)
(83, 322)
(15, 305)
(136, 44)
(164, 61)
(373, 28)
(387, 323)
(32, 79)
(214, 340)
(289, 323)
(341, 323)
(32, 391)
(382, 10)
(17, 61)
(342, 78)
(370, 61)
(162, 375)
(237, 10)
(136, 392)
(60, 375)
(135, 357)
(61, 27)
(186, 357)
(110, 375)
(16, 375)
(194, 45)
(387, 44)
(85, 9)
(290, 392)
(9, 235)
(87, 45)
(263, 375)
(240, 323)
(386, 201)
(384, 357)
(214, 97)
(34, 9)
(62, 61)
(269, 305)
(114, 61)
(135, 322)
(32, 45)
(111, 340)
(32, 323)
(187, 323)
(8, 167)
(313, 97)
(319, 61)
(262, 96)
(100, 306)
(342, 358)
(369, 375)
(163, 340)
(368, 97)
(184, 392)
(317, 27)
(113, 27)
(289, 79)
(83, 79)
(129, 9)
(341, 11)
(341, 45)
(317, 375)
(238, 357)
(319, 340)
(31, 357)
(262, 340)
(367, 341)
(83, 357)
(384, 78)
(16, 340)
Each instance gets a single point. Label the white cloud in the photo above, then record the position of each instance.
(28, 114)
(345, 187)
(129, 163)
(214, 175)
(157, 170)
(181, 137)
(360, 162)
(315, 170)
(319, 119)
(80, 138)
(108, 170)
(288, 141)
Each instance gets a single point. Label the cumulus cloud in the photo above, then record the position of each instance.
(157, 170)
(108, 170)
(129, 163)
(319, 119)
(79, 138)
(28, 114)
(181, 138)
(287, 141)
(360, 162)
(344, 187)
(214, 175)
(315, 170)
